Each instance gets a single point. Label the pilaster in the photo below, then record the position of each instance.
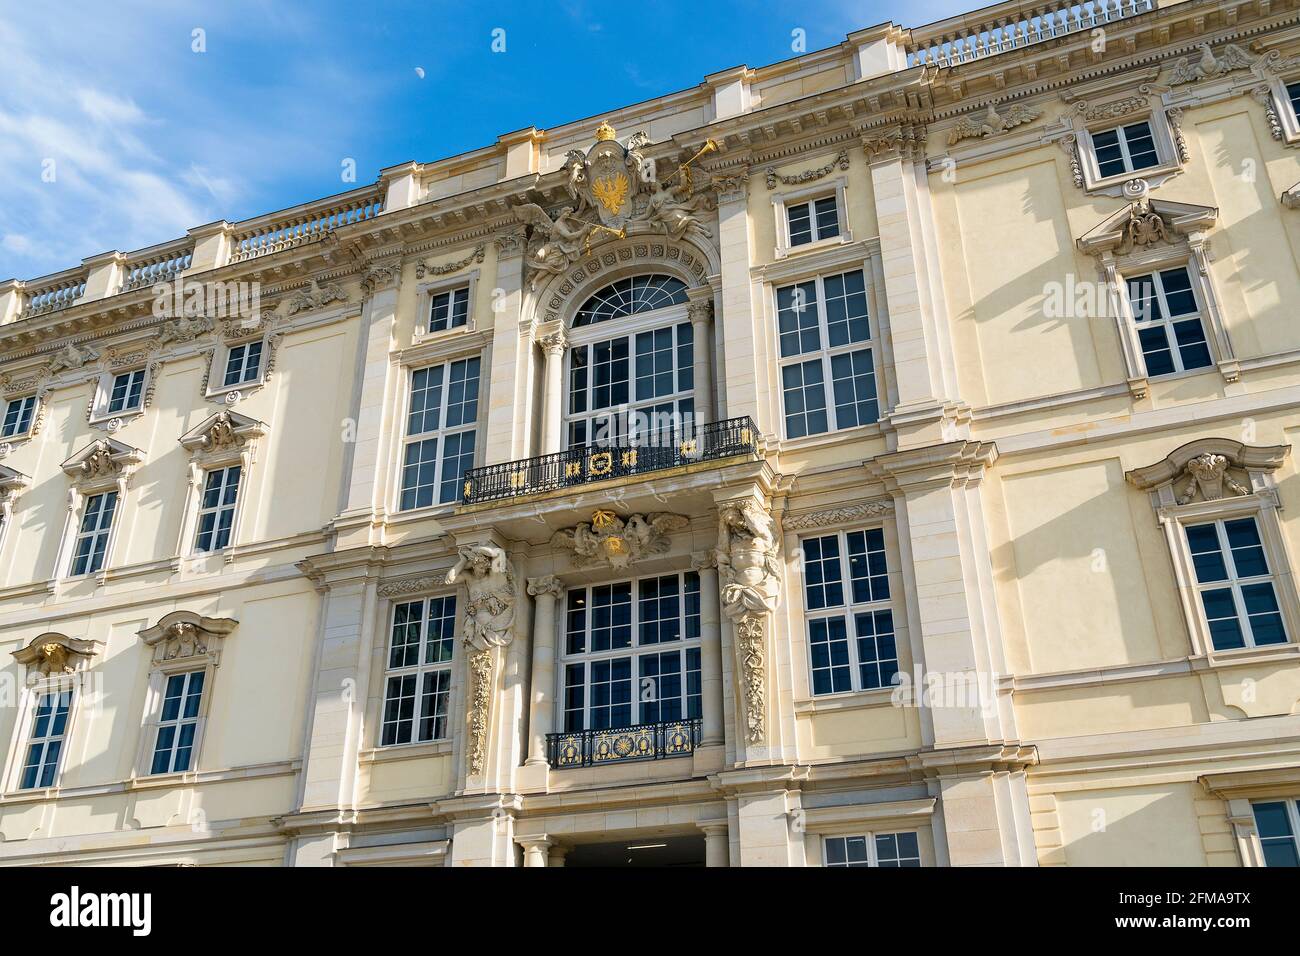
(510, 388)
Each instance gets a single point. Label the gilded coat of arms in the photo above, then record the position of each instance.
(609, 176)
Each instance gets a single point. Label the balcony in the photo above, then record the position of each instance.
(656, 451)
(591, 748)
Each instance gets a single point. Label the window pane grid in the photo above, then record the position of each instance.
(813, 220)
(822, 326)
(1168, 322)
(243, 363)
(1235, 585)
(178, 723)
(449, 310)
(417, 690)
(1124, 149)
(126, 391)
(878, 849)
(217, 508)
(852, 643)
(631, 296)
(18, 416)
(45, 742)
(1278, 824)
(617, 671)
(93, 533)
(441, 432)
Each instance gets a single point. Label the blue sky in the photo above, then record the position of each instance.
(116, 134)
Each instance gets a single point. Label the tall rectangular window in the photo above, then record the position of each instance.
(441, 424)
(879, 849)
(243, 363)
(93, 533)
(1125, 149)
(178, 723)
(417, 691)
(126, 392)
(1168, 321)
(1293, 94)
(1278, 825)
(217, 508)
(45, 742)
(828, 378)
(449, 309)
(813, 220)
(637, 387)
(18, 416)
(632, 653)
(851, 639)
(1234, 584)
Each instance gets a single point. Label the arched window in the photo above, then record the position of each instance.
(631, 296)
(630, 365)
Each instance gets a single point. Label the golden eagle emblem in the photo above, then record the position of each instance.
(611, 191)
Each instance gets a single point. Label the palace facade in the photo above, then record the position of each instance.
(880, 458)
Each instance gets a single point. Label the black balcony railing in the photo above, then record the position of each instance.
(651, 451)
(590, 748)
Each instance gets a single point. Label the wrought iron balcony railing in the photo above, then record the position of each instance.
(590, 748)
(651, 451)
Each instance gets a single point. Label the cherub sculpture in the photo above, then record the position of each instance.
(490, 610)
(676, 211)
(554, 244)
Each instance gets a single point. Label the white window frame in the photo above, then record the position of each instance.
(1292, 804)
(1134, 271)
(628, 327)
(783, 201)
(79, 535)
(426, 292)
(1163, 136)
(1287, 128)
(1233, 582)
(895, 604)
(442, 432)
(1261, 503)
(418, 670)
(179, 722)
(22, 737)
(100, 411)
(200, 510)
(20, 401)
(221, 352)
(81, 491)
(154, 700)
(869, 839)
(826, 353)
(634, 651)
(870, 820)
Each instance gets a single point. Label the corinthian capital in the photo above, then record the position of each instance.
(904, 141)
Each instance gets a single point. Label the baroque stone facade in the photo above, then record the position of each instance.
(892, 467)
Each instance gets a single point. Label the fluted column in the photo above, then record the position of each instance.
(553, 345)
(700, 311)
(715, 843)
(545, 591)
(705, 564)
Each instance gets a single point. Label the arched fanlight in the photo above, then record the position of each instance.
(630, 297)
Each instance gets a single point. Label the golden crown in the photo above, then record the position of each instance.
(604, 131)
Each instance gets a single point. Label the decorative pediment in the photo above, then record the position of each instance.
(1210, 469)
(1145, 223)
(102, 462)
(51, 655)
(12, 484)
(185, 636)
(223, 433)
(618, 542)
